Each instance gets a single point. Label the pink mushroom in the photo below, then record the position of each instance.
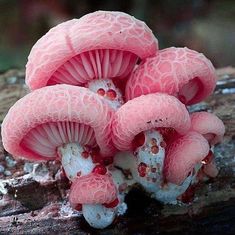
(93, 189)
(209, 125)
(103, 44)
(99, 197)
(212, 128)
(137, 128)
(61, 121)
(183, 155)
(181, 72)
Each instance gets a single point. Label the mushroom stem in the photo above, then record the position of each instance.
(107, 89)
(97, 215)
(76, 160)
(101, 216)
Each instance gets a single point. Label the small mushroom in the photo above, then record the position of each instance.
(212, 128)
(181, 72)
(100, 196)
(140, 126)
(100, 45)
(209, 125)
(66, 122)
(182, 156)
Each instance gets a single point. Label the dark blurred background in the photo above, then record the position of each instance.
(204, 25)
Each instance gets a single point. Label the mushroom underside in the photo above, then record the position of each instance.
(47, 137)
(191, 91)
(89, 65)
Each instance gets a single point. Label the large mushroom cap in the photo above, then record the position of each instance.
(182, 72)
(55, 115)
(126, 37)
(209, 125)
(147, 112)
(93, 189)
(182, 156)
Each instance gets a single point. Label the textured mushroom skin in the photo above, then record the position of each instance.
(98, 30)
(93, 189)
(207, 123)
(182, 156)
(147, 112)
(52, 104)
(169, 71)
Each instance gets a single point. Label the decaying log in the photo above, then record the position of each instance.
(33, 197)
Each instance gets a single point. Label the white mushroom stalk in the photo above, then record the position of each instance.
(146, 166)
(76, 160)
(100, 216)
(107, 89)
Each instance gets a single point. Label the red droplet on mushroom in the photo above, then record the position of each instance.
(112, 204)
(163, 144)
(138, 140)
(99, 169)
(154, 149)
(78, 207)
(111, 94)
(101, 92)
(79, 173)
(170, 71)
(208, 158)
(85, 154)
(142, 169)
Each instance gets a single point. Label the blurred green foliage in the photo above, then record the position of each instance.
(203, 25)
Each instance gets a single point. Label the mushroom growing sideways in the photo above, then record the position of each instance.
(93, 51)
(213, 129)
(62, 122)
(154, 128)
(181, 72)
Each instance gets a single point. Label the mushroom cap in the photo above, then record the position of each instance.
(208, 125)
(93, 189)
(59, 103)
(182, 156)
(97, 30)
(147, 112)
(171, 71)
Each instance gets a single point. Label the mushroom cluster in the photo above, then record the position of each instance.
(111, 107)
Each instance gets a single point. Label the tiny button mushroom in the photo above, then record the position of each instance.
(73, 123)
(181, 72)
(92, 191)
(212, 128)
(88, 49)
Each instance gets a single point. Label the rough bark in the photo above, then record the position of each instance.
(35, 202)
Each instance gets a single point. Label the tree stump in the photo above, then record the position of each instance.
(33, 197)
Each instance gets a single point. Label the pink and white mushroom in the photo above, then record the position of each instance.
(99, 197)
(140, 127)
(181, 72)
(91, 191)
(212, 128)
(62, 122)
(91, 51)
